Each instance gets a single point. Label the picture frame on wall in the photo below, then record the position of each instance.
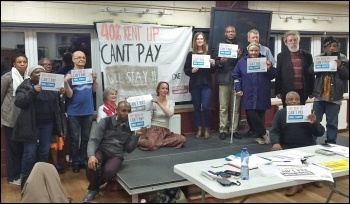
(61, 49)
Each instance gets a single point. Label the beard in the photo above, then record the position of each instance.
(293, 49)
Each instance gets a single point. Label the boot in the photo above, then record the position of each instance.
(199, 132)
(206, 133)
(294, 190)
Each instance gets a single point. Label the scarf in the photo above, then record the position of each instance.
(110, 109)
(16, 79)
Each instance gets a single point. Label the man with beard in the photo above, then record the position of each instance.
(293, 70)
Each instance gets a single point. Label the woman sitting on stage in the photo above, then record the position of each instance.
(159, 135)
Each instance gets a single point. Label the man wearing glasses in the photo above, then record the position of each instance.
(293, 70)
(80, 109)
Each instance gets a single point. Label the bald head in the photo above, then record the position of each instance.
(292, 98)
(124, 108)
(79, 59)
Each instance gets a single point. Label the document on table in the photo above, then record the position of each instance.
(335, 165)
(341, 150)
(285, 162)
(305, 173)
(254, 162)
(294, 154)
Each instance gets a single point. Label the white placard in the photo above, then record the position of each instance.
(201, 61)
(51, 82)
(81, 76)
(297, 114)
(256, 65)
(228, 50)
(325, 64)
(140, 103)
(139, 119)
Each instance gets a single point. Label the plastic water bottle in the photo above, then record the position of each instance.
(245, 164)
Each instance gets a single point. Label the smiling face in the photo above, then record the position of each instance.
(253, 38)
(163, 89)
(79, 59)
(200, 40)
(112, 96)
(46, 63)
(254, 52)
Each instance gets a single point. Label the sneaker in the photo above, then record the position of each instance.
(267, 137)
(236, 135)
(222, 136)
(60, 169)
(16, 182)
(91, 194)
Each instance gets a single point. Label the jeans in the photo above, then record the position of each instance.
(14, 151)
(201, 96)
(79, 131)
(38, 150)
(226, 97)
(332, 111)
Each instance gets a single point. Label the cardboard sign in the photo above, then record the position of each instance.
(81, 76)
(139, 119)
(325, 64)
(140, 103)
(201, 61)
(228, 50)
(297, 114)
(51, 82)
(256, 65)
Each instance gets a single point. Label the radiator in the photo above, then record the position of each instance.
(175, 124)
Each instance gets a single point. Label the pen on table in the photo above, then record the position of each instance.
(265, 158)
(322, 166)
(234, 166)
(281, 161)
(212, 172)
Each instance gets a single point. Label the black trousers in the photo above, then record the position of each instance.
(257, 120)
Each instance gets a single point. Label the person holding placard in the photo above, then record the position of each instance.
(329, 88)
(39, 114)
(57, 141)
(252, 82)
(292, 135)
(108, 142)
(293, 70)
(80, 109)
(253, 36)
(200, 85)
(224, 65)
(9, 114)
(159, 135)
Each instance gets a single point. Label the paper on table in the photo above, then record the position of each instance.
(336, 165)
(254, 161)
(294, 154)
(305, 173)
(285, 162)
(344, 151)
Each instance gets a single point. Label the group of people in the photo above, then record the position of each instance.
(39, 115)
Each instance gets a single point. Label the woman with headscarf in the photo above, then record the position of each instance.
(255, 90)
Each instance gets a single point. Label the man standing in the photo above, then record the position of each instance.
(80, 109)
(226, 92)
(253, 37)
(329, 89)
(293, 70)
(108, 142)
(292, 135)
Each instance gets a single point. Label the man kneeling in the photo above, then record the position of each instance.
(108, 142)
(292, 135)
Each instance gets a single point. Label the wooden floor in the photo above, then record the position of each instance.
(76, 186)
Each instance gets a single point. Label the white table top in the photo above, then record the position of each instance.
(256, 183)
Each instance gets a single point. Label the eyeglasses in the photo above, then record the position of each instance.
(46, 64)
(79, 58)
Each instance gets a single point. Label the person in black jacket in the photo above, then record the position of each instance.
(38, 115)
(329, 89)
(293, 70)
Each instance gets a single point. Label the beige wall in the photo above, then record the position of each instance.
(184, 13)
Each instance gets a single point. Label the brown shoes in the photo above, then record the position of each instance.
(294, 190)
(206, 133)
(199, 132)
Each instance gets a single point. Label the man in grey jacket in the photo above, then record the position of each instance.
(107, 144)
(226, 92)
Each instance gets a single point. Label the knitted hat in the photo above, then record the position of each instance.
(32, 69)
(329, 40)
(253, 44)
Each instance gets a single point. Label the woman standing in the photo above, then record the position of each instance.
(109, 106)
(159, 135)
(200, 85)
(9, 113)
(255, 90)
(39, 114)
